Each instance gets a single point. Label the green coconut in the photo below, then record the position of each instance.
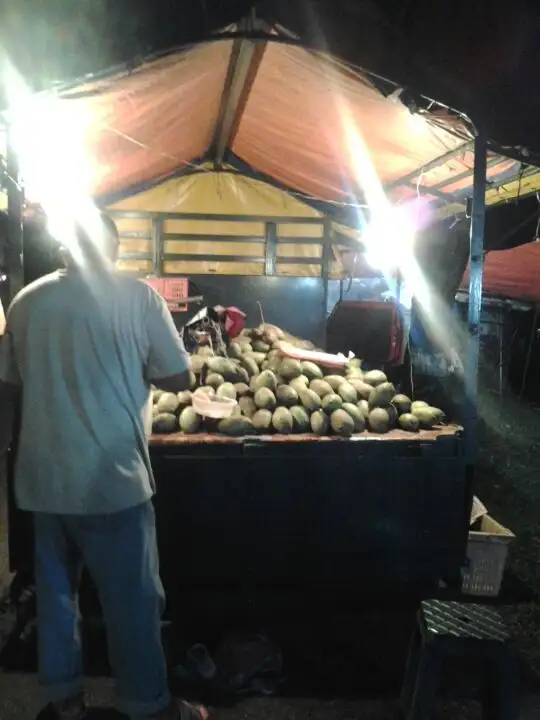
(375, 377)
(379, 420)
(226, 391)
(409, 422)
(427, 416)
(265, 379)
(262, 420)
(334, 381)
(311, 371)
(259, 357)
(247, 406)
(235, 426)
(189, 422)
(184, 398)
(260, 346)
(300, 419)
(321, 387)
(319, 422)
(241, 389)
(310, 400)
(197, 362)
(282, 421)
(299, 383)
(265, 399)
(331, 402)
(342, 423)
(234, 351)
(205, 351)
(214, 380)
(290, 369)
(363, 406)
(402, 404)
(348, 392)
(250, 365)
(356, 415)
(164, 423)
(168, 403)
(363, 390)
(286, 396)
(381, 395)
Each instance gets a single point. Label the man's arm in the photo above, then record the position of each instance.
(167, 364)
(173, 383)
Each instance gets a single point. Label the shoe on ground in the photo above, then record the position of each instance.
(74, 708)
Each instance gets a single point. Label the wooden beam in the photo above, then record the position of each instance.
(246, 57)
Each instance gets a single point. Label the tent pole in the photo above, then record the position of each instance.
(435, 163)
(476, 261)
(325, 268)
(14, 249)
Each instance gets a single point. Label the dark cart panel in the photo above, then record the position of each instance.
(311, 513)
(237, 516)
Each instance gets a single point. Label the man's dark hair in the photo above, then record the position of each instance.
(110, 235)
(110, 240)
(109, 226)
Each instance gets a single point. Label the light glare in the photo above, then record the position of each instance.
(48, 137)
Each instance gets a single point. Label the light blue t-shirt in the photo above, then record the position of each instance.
(85, 347)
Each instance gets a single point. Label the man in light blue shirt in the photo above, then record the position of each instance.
(83, 345)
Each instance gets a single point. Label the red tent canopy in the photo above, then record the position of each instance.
(307, 120)
(513, 274)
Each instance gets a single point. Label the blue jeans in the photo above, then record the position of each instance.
(120, 553)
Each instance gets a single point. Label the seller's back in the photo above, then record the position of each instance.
(81, 346)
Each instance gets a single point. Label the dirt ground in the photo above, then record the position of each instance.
(508, 482)
(20, 700)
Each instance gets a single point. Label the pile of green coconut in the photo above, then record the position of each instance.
(278, 394)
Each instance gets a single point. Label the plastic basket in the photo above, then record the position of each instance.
(487, 551)
(173, 290)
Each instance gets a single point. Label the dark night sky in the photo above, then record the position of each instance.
(479, 55)
(60, 39)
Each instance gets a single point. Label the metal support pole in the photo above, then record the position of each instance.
(270, 249)
(476, 261)
(14, 249)
(325, 267)
(158, 248)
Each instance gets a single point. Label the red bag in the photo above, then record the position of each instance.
(233, 321)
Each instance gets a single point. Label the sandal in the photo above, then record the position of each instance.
(187, 711)
(182, 710)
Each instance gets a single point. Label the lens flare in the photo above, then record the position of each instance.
(47, 135)
(390, 239)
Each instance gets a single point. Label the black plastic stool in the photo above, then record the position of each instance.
(449, 629)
